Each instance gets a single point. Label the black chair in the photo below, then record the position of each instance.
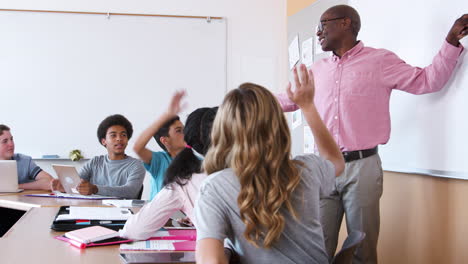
(345, 255)
(140, 193)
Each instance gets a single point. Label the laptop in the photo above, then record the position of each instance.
(68, 177)
(9, 177)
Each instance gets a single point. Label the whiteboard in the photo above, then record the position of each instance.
(62, 74)
(429, 132)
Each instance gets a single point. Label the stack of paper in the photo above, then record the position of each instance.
(96, 213)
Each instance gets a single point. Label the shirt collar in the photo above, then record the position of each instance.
(350, 53)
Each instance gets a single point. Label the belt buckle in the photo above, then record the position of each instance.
(360, 154)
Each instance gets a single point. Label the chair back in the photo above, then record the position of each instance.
(345, 255)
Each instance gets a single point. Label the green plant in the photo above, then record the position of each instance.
(75, 155)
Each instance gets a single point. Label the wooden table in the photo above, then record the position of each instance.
(19, 201)
(31, 240)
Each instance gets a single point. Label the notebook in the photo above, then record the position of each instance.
(91, 234)
(9, 176)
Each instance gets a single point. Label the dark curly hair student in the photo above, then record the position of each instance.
(114, 120)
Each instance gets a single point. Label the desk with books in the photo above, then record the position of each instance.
(31, 240)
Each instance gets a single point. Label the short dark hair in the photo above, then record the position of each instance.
(348, 12)
(3, 128)
(164, 131)
(114, 120)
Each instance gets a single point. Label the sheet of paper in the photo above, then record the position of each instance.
(309, 142)
(307, 53)
(150, 245)
(296, 119)
(96, 213)
(294, 54)
(118, 203)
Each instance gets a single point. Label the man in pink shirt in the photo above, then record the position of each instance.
(353, 90)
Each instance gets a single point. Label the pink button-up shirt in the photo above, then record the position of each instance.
(353, 92)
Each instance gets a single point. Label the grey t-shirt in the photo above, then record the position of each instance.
(27, 168)
(217, 216)
(121, 178)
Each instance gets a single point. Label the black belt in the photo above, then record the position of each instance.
(359, 154)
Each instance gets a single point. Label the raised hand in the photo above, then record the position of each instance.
(458, 31)
(176, 105)
(303, 95)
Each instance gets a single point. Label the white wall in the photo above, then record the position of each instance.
(256, 49)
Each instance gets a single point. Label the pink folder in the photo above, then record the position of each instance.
(92, 244)
(186, 234)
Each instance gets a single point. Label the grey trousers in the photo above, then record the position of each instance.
(356, 194)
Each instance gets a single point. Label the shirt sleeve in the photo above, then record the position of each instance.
(286, 104)
(131, 188)
(33, 169)
(86, 171)
(321, 169)
(152, 216)
(210, 216)
(397, 74)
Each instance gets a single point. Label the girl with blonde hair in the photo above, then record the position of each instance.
(265, 204)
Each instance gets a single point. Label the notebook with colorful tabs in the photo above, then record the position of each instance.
(91, 234)
(65, 222)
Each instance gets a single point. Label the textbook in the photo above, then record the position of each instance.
(91, 234)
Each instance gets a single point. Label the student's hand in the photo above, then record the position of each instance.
(458, 30)
(56, 185)
(176, 106)
(86, 188)
(303, 95)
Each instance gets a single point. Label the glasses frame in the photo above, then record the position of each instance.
(320, 24)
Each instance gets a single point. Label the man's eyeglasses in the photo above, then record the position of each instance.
(321, 25)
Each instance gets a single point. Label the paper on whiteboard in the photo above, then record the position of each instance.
(307, 53)
(309, 142)
(294, 54)
(296, 119)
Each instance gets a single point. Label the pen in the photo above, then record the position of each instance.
(105, 222)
